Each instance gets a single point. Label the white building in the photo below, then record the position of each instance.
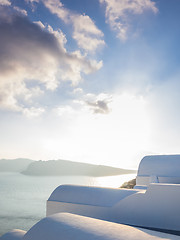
(93, 213)
(159, 169)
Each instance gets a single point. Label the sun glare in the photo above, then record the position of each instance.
(110, 139)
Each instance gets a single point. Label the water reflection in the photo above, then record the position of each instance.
(113, 181)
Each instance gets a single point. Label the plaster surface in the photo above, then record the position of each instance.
(65, 226)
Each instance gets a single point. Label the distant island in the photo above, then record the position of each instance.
(59, 168)
(14, 165)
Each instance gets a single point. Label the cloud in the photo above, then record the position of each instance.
(98, 104)
(78, 91)
(119, 13)
(5, 2)
(22, 11)
(40, 24)
(33, 112)
(84, 29)
(32, 1)
(87, 104)
(32, 54)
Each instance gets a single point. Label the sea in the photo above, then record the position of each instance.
(23, 198)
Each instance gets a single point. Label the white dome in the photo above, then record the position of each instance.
(160, 165)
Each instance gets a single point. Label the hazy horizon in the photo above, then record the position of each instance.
(89, 81)
(25, 162)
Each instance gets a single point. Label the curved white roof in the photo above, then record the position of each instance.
(96, 196)
(160, 165)
(15, 234)
(65, 226)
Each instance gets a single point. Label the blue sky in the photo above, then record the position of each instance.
(93, 81)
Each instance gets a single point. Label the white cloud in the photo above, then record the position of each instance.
(5, 2)
(78, 91)
(13, 92)
(118, 13)
(31, 1)
(31, 53)
(60, 36)
(40, 24)
(91, 103)
(22, 11)
(33, 112)
(56, 7)
(88, 104)
(84, 29)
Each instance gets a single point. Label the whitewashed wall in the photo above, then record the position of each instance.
(86, 201)
(159, 168)
(158, 207)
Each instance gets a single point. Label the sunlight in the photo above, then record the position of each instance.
(109, 139)
(113, 181)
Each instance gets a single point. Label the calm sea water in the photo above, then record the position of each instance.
(23, 198)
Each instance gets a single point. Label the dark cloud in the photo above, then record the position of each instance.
(23, 43)
(100, 106)
(30, 52)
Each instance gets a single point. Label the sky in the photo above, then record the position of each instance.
(94, 81)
